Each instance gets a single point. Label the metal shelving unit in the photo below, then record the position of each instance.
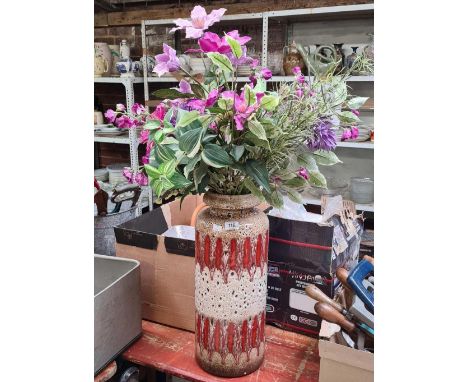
(359, 207)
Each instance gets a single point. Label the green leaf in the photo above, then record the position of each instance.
(187, 118)
(164, 152)
(199, 173)
(293, 195)
(357, 102)
(168, 168)
(221, 61)
(179, 181)
(306, 159)
(161, 185)
(296, 182)
(348, 117)
(216, 110)
(208, 138)
(326, 158)
(169, 141)
(237, 152)
(275, 199)
(198, 90)
(269, 102)
(191, 165)
(249, 95)
(257, 129)
(235, 46)
(152, 124)
(258, 172)
(215, 156)
(317, 179)
(260, 87)
(152, 172)
(250, 185)
(256, 142)
(171, 94)
(190, 141)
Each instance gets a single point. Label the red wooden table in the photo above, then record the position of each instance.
(107, 373)
(288, 356)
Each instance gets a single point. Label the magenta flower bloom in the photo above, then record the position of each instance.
(137, 108)
(125, 122)
(167, 61)
(324, 137)
(184, 87)
(213, 126)
(355, 112)
(144, 136)
(110, 115)
(212, 98)
(242, 110)
(141, 179)
(354, 132)
(253, 80)
(303, 173)
(159, 112)
(120, 107)
(300, 79)
(346, 134)
(243, 59)
(196, 104)
(211, 42)
(299, 93)
(199, 21)
(241, 40)
(259, 97)
(127, 173)
(296, 70)
(266, 73)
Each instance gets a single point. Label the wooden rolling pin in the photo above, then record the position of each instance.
(318, 295)
(327, 312)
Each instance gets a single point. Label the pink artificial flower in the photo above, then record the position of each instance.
(196, 104)
(355, 112)
(354, 132)
(110, 115)
(213, 126)
(266, 73)
(125, 122)
(167, 61)
(144, 136)
(346, 134)
(303, 173)
(296, 70)
(241, 40)
(159, 112)
(184, 87)
(127, 173)
(242, 110)
(137, 108)
(211, 42)
(120, 107)
(300, 79)
(149, 147)
(299, 93)
(253, 80)
(312, 93)
(212, 97)
(259, 97)
(141, 179)
(254, 63)
(243, 59)
(200, 21)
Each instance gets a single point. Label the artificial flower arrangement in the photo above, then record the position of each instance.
(213, 134)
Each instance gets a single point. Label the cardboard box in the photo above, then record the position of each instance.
(167, 263)
(340, 363)
(303, 253)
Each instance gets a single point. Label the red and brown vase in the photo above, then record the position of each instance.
(231, 256)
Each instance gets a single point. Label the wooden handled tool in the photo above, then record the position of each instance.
(327, 312)
(369, 259)
(318, 295)
(342, 275)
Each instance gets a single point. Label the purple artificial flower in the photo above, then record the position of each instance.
(184, 87)
(212, 97)
(167, 61)
(211, 42)
(110, 115)
(355, 112)
(120, 107)
(141, 179)
(127, 173)
(196, 104)
(300, 78)
(137, 108)
(241, 40)
(144, 135)
(243, 59)
(125, 122)
(299, 93)
(324, 137)
(354, 132)
(213, 126)
(266, 73)
(254, 63)
(200, 21)
(259, 97)
(296, 70)
(303, 173)
(253, 80)
(346, 134)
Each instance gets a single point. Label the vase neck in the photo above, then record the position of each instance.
(231, 206)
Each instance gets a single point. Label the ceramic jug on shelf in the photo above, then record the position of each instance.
(103, 50)
(292, 58)
(115, 53)
(124, 50)
(101, 66)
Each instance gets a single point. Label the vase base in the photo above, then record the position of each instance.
(232, 371)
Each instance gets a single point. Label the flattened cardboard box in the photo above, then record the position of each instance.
(340, 363)
(303, 253)
(167, 264)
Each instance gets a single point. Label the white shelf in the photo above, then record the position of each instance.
(162, 79)
(117, 80)
(122, 139)
(359, 207)
(356, 145)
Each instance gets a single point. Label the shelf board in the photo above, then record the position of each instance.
(116, 80)
(359, 207)
(322, 13)
(291, 78)
(227, 19)
(356, 145)
(121, 139)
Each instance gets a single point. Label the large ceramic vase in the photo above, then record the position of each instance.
(231, 255)
(101, 49)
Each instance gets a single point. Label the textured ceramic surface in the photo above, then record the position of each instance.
(231, 255)
(115, 52)
(101, 49)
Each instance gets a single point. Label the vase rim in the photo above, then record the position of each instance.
(230, 202)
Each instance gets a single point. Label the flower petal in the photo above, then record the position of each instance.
(191, 32)
(214, 16)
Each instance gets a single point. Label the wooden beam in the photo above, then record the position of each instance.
(100, 19)
(173, 11)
